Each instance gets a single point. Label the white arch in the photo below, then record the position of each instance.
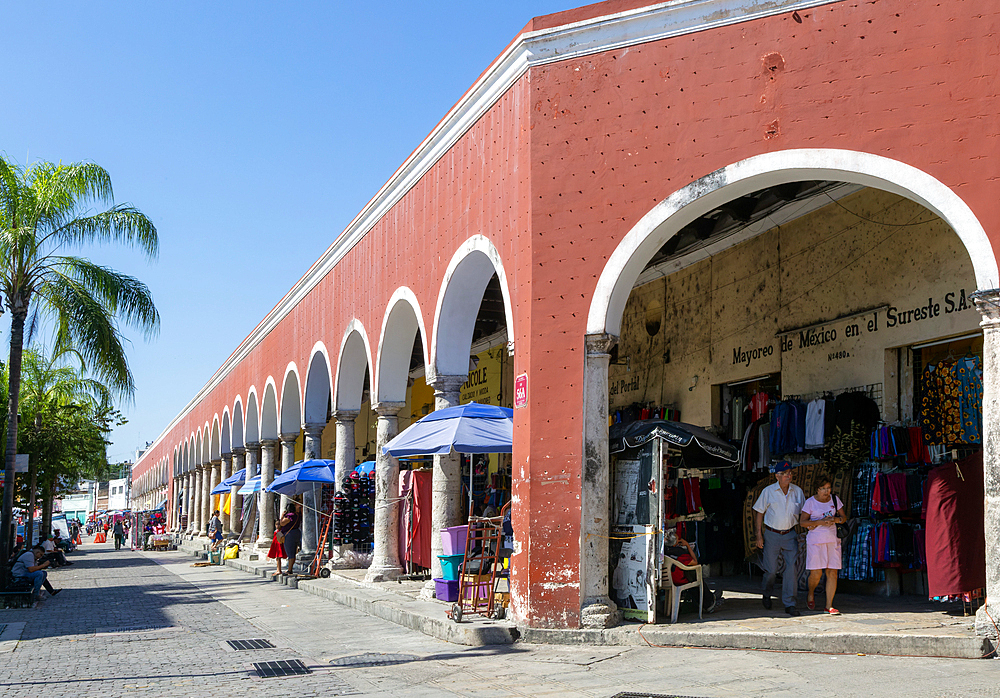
(237, 432)
(461, 294)
(355, 356)
(761, 171)
(291, 401)
(206, 444)
(226, 443)
(269, 411)
(251, 425)
(395, 345)
(318, 393)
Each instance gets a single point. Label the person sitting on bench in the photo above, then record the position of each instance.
(30, 567)
(52, 553)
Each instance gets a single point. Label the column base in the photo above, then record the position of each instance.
(599, 612)
(383, 574)
(985, 625)
(429, 591)
(264, 543)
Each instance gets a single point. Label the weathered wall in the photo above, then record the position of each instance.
(720, 318)
(614, 133)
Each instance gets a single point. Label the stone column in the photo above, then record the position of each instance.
(312, 447)
(179, 491)
(204, 475)
(446, 491)
(196, 497)
(287, 461)
(266, 500)
(385, 558)
(188, 511)
(224, 473)
(236, 500)
(212, 478)
(345, 457)
(253, 469)
(597, 610)
(988, 303)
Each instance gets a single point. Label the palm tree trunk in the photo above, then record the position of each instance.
(47, 500)
(13, 392)
(29, 525)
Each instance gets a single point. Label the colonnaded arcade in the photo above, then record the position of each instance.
(603, 142)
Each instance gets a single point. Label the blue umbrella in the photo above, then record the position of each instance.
(470, 428)
(303, 476)
(366, 467)
(250, 486)
(237, 478)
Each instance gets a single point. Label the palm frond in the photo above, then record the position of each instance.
(124, 296)
(84, 322)
(122, 223)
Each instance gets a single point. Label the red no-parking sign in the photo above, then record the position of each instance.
(521, 390)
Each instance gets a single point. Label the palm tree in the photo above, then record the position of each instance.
(43, 214)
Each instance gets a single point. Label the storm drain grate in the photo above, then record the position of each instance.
(369, 659)
(284, 667)
(647, 695)
(249, 644)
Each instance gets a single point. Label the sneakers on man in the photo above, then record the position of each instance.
(792, 611)
(766, 601)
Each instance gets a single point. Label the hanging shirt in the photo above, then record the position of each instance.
(758, 406)
(815, 418)
(737, 418)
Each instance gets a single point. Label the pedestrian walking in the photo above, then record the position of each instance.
(776, 513)
(215, 529)
(119, 534)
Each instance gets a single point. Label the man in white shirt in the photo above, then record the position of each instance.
(30, 566)
(776, 513)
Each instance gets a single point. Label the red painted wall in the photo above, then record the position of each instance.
(578, 151)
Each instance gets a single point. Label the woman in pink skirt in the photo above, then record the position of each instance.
(820, 516)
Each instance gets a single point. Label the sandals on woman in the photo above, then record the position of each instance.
(811, 604)
(832, 611)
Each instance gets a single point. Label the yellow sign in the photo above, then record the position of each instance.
(483, 385)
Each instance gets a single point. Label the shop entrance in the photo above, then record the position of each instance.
(817, 304)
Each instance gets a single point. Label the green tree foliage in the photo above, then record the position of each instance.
(44, 213)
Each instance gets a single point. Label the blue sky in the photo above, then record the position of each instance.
(251, 133)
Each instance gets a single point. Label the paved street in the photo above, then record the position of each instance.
(144, 624)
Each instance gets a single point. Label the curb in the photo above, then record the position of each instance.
(429, 618)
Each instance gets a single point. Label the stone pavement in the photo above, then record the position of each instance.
(79, 644)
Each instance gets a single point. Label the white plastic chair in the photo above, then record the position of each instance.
(674, 590)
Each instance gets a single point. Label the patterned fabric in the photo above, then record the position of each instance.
(857, 562)
(951, 401)
(970, 379)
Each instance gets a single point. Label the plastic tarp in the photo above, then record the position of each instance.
(470, 428)
(637, 433)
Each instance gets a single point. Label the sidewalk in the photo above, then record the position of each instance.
(900, 626)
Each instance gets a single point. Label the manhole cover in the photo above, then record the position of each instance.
(373, 659)
(249, 644)
(284, 667)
